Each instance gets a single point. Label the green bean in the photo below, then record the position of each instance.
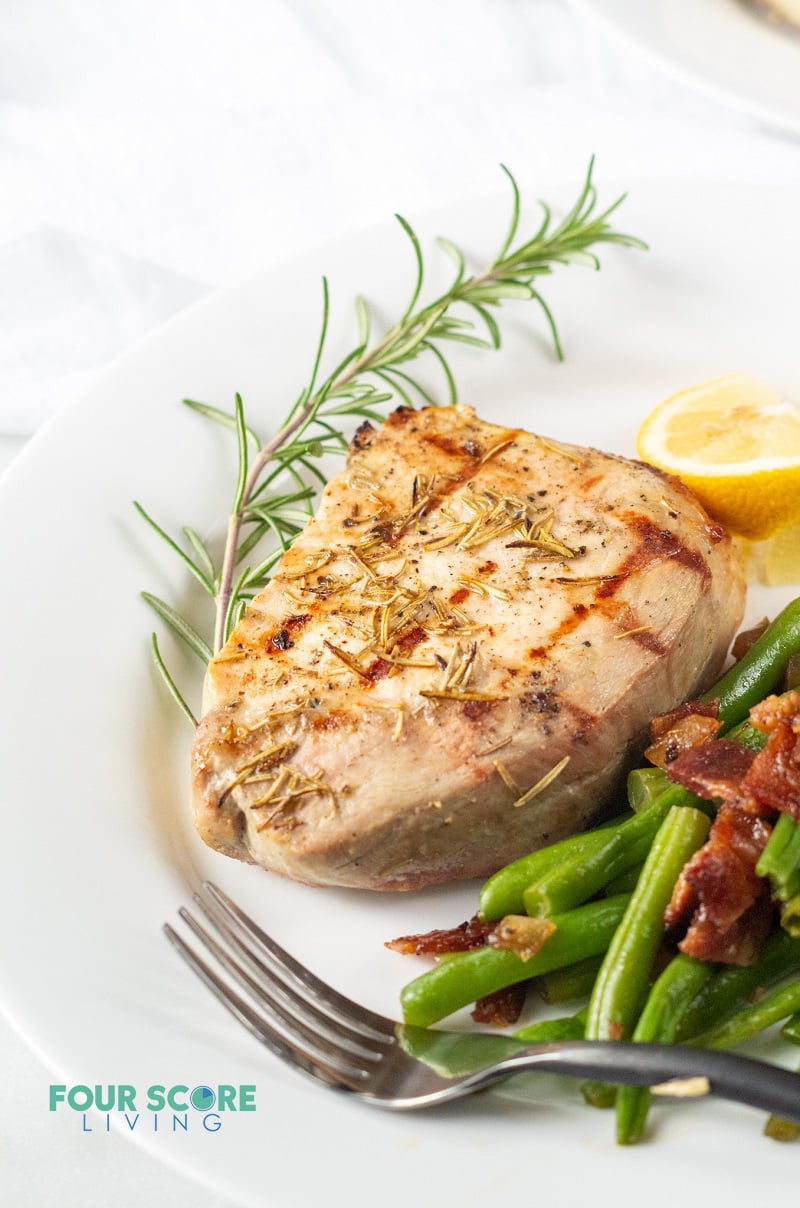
(780, 859)
(761, 670)
(791, 1029)
(660, 1019)
(748, 736)
(733, 984)
(544, 1031)
(453, 1054)
(622, 981)
(790, 916)
(569, 983)
(778, 1004)
(626, 882)
(502, 893)
(644, 786)
(574, 881)
(468, 976)
(598, 1094)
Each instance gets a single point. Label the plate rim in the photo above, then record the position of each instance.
(212, 302)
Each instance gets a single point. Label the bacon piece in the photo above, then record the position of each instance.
(773, 781)
(703, 939)
(771, 712)
(728, 902)
(713, 770)
(719, 895)
(742, 942)
(682, 905)
(463, 938)
(501, 1008)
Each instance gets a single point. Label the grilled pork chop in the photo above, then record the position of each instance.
(457, 658)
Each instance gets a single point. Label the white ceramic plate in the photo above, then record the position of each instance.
(97, 851)
(724, 47)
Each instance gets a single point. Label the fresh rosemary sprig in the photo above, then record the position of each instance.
(375, 373)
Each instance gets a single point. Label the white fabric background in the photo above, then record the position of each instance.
(152, 152)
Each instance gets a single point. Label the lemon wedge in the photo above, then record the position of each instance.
(737, 446)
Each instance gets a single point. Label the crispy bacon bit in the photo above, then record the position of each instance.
(772, 712)
(719, 898)
(729, 903)
(741, 944)
(464, 938)
(521, 934)
(748, 638)
(683, 903)
(773, 781)
(501, 1008)
(714, 769)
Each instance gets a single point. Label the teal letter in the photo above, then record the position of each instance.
(57, 1094)
(172, 1100)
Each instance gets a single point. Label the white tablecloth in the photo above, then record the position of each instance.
(152, 152)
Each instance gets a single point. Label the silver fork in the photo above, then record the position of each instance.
(340, 1044)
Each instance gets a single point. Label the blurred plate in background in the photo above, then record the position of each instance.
(726, 48)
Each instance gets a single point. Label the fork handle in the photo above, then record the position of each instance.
(730, 1075)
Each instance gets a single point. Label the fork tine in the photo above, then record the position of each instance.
(310, 1017)
(301, 979)
(270, 1032)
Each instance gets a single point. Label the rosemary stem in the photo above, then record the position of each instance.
(266, 452)
(226, 579)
